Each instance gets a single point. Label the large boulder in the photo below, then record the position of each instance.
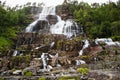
(52, 19)
(40, 26)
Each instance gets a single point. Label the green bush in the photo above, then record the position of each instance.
(41, 78)
(4, 43)
(69, 78)
(116, 38)
(83, 71)
(1, 78)
(28, 73)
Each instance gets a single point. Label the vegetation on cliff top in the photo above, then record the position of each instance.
(97, 20)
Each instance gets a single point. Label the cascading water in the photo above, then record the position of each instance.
(42, 16)
(86, 44)
(78, 62)
(56, 25)
(67, 27)
(15, 53)
(44, 58)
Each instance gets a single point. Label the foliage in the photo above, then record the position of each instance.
(69, 78)
(13, 20)
(1, 78)
(99, 20)
(116, 38)
(4, 43)
(83, 70)
(28, 73)
(18, 60)
(41, 79)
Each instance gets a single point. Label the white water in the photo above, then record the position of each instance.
(15, 53)
(44, 58)
(42, 16)
(68, 28)
(107, 41)
(52, 44)
(45, 12)
(86, 45)
(79, 62)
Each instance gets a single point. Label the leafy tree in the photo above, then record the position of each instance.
(115, 28)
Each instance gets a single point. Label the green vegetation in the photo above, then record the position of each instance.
(98, 20)
(28, 73)
(69, 78)
(83, 71)
(41, 79)
(19, 60)
(12, 21)
(1, 78)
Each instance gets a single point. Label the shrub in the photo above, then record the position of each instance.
(68, 78)
(116, 38)
(83, 71)
(28, 73)
(1, 78)
(41, 78)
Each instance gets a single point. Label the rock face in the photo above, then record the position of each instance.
(41, 25)
(52, 19)
(30, 47)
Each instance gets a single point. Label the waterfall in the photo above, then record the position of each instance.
(42, 16)
(44, 58)
(107, 41)
(47, 11)
(78, 62)
(52, 44)
(15, 53)
(86, 44)
(67, 27)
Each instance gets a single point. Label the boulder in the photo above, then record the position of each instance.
(52, 19)
(40, 26)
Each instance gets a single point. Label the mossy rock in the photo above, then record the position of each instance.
(83, 71)
(69, 78)
(27, 73)
(42, 78)
(2, 79)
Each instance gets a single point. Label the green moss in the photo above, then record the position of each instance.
(4, 43)
(59, 44)
(83, 71)
(84, 57)
(18, 60)
(41, 78)
(2, 79)
(28, 73)
(78, 38)
(69, 78)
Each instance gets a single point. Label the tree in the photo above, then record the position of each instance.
(115, 28)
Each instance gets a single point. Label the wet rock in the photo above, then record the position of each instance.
(52, 19)
(17, 72)
(40, 26)
(5, 64)
(30, 69)
(36, 63)
(6, 73)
